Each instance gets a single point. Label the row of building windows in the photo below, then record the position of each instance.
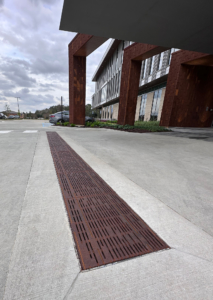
(150, 62)
(108, 91)
(114, 64)
(108, 83)
(107, 112)
(155, 105)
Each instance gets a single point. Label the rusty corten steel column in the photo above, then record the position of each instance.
(79, 48)
(189, 91)
(133, 55)
(77, 88)
(129, 91)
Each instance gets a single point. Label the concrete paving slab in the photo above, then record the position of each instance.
(16, 156)
(177, 171)
(174, 229)
(44, 262)
(189, 244)
(164, 275)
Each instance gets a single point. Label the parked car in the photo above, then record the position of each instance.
(64, 117)
(2, 116)
(16, 117)
(11, 117)
(59, 117)
(89, 119)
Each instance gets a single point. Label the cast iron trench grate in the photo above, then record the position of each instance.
(104, 227)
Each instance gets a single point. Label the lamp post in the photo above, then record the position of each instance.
(18, 105)
(61, 109)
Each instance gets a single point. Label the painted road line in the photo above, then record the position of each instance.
(30, 131)
(5, 131)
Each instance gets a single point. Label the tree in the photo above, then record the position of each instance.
(88, 110)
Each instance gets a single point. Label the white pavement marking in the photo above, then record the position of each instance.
(5, 131)
(30, 131)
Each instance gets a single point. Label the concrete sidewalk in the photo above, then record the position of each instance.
(42, 262)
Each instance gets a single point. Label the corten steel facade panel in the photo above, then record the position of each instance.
(80, 47)
(77, 89)
(133, 55)
(189, 92)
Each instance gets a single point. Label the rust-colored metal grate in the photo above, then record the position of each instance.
(104, 227)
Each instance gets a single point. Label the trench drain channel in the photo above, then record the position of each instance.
(104, 227)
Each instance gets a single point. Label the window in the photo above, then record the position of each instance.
(123, 45)
(156, 104)
(104, 93)
(107, 90)
(119, 81)
(143, 107)
(170, 54)
(151, 66)
(160, 61)
(144, 69)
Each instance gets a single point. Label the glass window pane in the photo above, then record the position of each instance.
(144, 69)
(151, 66)
(160, 62)
(143, 105)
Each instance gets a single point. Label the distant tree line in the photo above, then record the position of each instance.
(44, 113)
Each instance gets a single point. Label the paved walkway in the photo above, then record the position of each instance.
(167, 180)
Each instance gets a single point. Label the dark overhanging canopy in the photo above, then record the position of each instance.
(183, 24)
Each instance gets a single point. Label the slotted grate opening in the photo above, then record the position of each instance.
(104, 227)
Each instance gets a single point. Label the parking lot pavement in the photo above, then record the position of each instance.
(167, 180)
(17, 149)
(177, 170)
(16, 155)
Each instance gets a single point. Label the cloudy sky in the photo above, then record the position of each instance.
(34, 55)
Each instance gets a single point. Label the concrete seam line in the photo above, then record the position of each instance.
(193, 255)
(71, 287)
(20, 215)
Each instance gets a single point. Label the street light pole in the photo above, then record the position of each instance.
(61, 108)
(18, 105)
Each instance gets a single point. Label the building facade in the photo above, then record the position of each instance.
(152, 84)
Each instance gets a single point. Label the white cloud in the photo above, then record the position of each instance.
(34, 55)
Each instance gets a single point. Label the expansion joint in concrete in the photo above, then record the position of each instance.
(71, 287)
